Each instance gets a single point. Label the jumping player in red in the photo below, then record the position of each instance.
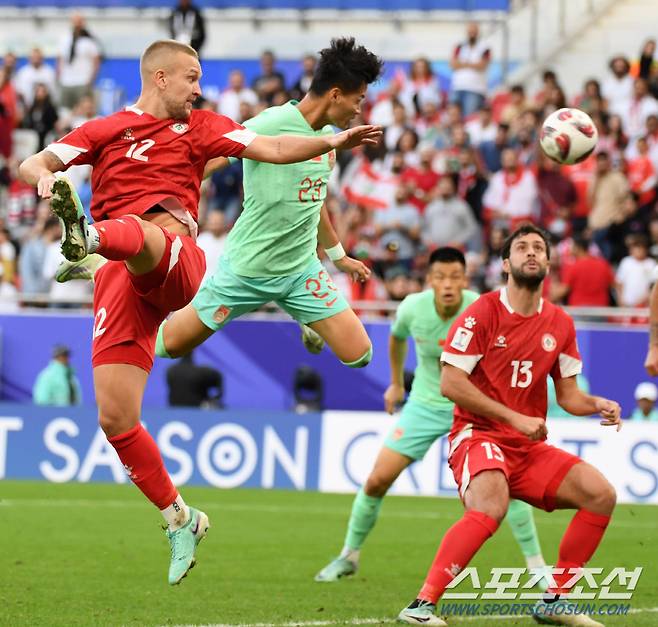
(496, 360)
(148, 165)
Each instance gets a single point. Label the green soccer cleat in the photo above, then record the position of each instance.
(66, 205)
(334, 570)
(83, 270)
(547, 614)
(421, 613)
(183, 543)
(312, 340)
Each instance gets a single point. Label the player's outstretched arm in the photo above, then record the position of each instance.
(578, 403)
(214, 165)
(38, 171)
(295, 148)
(456, 385)
(651, 362)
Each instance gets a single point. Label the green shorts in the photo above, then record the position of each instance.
(418, 427)
(308, 296)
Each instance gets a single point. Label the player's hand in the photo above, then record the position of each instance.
(610, 412)
(393, 396)
(651, 362)
(357, 270)
(353, 137)
(45, 185)
(532, 426)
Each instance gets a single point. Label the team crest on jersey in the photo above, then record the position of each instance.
(128, 135)
(179, 127)
(221, 314)
(548, 342)
(461, 339)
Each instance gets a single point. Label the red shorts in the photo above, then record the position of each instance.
(534, 471)
(128, 308)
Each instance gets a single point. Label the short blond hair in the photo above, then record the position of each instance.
(160, 50)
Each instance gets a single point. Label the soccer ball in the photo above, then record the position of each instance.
(568, 136)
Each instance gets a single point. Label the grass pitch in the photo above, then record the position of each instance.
(79, 554)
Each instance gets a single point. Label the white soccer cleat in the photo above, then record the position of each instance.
(312, 340)
(421, 613)
(83, 270)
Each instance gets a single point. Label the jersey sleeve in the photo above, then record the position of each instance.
(468, 337)
(226, 138)
(81, 145)
(568, 362)
(401, 327)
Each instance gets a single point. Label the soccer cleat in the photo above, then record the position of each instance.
(83, 270)
(421, 613)
(545, 614)
(66, 205)
(183, 543)
(334, 570)
(312, 340)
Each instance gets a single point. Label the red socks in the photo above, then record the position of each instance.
(460, 543)
(118, 239)
(140, 455)
(579, 542)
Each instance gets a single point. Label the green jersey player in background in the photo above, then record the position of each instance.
(271, 252)
(427, 415)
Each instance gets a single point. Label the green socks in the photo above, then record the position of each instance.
(522, 522)
(365, 511)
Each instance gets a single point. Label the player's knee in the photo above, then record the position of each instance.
(362, 361)
(115, 419)
(496, 509)
(604, 498)
(377, 485)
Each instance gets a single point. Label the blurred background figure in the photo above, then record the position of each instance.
(192, 385)
(35, 72)
(186, 24)
(57, 383)
(308, 390)
(469, 63)
(646, 394)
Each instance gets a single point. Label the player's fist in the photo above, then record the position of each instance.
(356, 269)
(532, 426)
(393, 396)
(610, 412)
(45, 185)
(353, 137)
(651, 362)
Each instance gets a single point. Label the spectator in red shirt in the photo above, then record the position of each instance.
(557, 197)
(421, 180)
(588, 280)
(642, 175)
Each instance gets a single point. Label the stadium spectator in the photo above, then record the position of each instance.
(7, 255)
(41, 116)
(617, 88)
(212, 239)
(587, 281)
(471, 181)
(606, 194)
(10, 62)
(300, 88)
(236, 94)
(635, 274)
(423, 179)
(33, 256)
(78, 63)
(35, 73)
(591, 101)
(187, 25)
(516, 107)
(641, 175)
(57, 384)
(449, 221)
(270, 80)
(646, 394)
(192, 385)
(511, 197)
(629, 222)
(646, 63)
(382, 112)
(8, 295)
(549, 83)
(491, 151)
(9, 113)
(557, 197)
(421, 86)
(469, 64)
(635, 110)
(398, 125)
(482, 128)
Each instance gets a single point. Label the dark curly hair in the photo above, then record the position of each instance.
(345, 65)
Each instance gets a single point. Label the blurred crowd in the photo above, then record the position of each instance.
(457, 166)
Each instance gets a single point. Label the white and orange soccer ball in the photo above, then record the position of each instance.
(568, 136)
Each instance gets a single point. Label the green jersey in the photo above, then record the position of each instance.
(277, 232)
(417, 317)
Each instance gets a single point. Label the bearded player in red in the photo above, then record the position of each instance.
(148, 165)
(497, 357)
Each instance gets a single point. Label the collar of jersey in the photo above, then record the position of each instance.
(134, 109)
(504, 298)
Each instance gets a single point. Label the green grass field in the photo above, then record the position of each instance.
(95, 555)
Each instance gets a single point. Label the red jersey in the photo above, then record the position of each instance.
(140, 161)
(589, 279)
(508, 357)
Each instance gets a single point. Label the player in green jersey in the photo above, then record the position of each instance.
(427, 415)
(271, 251)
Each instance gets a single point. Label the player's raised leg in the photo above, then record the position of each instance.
(346, 336)
(365, 511)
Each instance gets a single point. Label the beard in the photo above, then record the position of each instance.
(531, 282)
